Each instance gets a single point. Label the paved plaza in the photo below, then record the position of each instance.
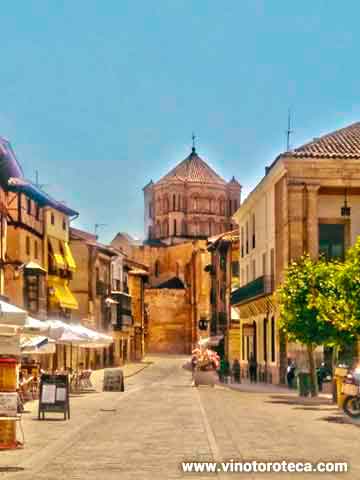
(161, 420)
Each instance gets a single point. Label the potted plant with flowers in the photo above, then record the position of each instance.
(206, 363)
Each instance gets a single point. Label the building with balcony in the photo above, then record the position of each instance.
(224, 277)
(31, 264)
(92, 287)
(307, 202)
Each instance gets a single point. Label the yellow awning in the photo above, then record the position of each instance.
(69, 257)
(62, 294)
(58, 258)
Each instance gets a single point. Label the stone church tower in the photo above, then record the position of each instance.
(191, 202)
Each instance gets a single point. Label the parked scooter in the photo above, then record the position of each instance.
(351, 389)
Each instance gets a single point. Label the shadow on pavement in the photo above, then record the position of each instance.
(11, 469)
(292, 400)
(339, 419)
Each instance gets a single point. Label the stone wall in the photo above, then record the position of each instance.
(169, 321)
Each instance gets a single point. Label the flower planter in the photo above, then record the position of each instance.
(205, 377)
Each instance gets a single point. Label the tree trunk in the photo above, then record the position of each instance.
(313, 377)
(334, 361)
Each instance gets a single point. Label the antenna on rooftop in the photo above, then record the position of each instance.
(193, 142)
(288, 131)
(97, 226)
(37, 183)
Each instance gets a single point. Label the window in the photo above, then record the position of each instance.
(97, 274)
(235, 269)
(253, 231)
(157, 268)
(175, 227)
(52, 219)
(37, 212)
(272, 339)
(222, 207)
(64, 224)
(332, 241)
(195, 203)
(36, 251)
(174, 202)
(243, 345)
(28, 249)
(247, 237)
(265, 337)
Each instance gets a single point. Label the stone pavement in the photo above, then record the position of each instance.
(160, 421)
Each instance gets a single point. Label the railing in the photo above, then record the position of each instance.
(260, 286)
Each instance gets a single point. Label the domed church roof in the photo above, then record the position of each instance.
(193, 170)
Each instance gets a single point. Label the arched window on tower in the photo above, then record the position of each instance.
(179, 203)
(222, 206)
(174, 229)
(174, 202)
(166, 204)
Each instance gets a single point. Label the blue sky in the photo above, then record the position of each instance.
(102, 96)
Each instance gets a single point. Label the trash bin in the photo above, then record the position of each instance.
(304, 388)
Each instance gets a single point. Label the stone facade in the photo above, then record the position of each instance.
(91, 285)
(185, 262)
(191, 201)
(224, 277)
(169, 321)
(295, 209)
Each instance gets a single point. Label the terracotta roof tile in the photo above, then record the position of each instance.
(194, 170)
(343, 143)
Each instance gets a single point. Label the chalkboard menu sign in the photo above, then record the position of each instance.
(54, 395)
(113, 380)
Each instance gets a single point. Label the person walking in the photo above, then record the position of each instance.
(290, 373)
(252, 368)
(236, 370)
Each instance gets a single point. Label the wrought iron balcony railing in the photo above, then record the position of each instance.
(259, 287)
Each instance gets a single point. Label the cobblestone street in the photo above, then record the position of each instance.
(161, 421)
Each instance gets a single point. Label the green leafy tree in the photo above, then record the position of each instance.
(308, 301)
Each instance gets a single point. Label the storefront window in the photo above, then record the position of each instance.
(332, 241)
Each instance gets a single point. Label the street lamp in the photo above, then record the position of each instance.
(345, 209)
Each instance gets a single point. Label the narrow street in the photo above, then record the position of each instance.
(160, 421)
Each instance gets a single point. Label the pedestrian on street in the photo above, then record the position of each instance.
(236, 370)
(252, 368)
(224, 370)
(290, 373)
